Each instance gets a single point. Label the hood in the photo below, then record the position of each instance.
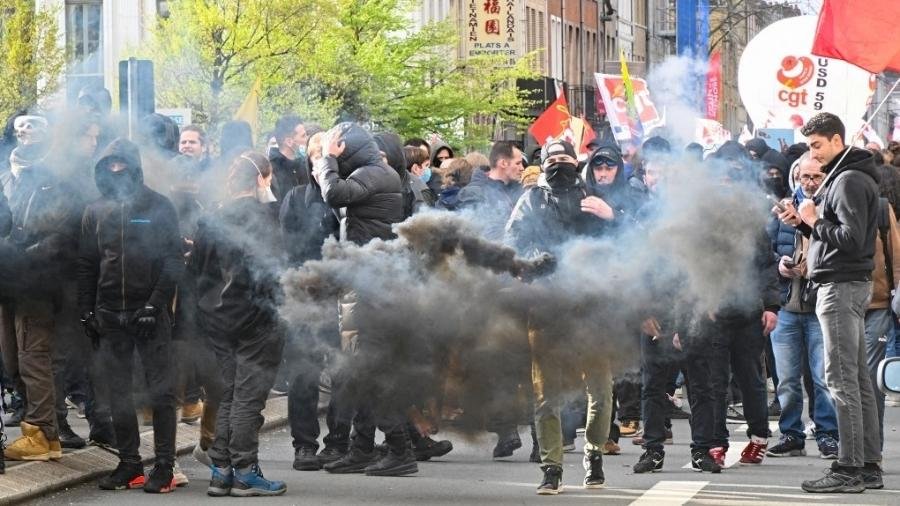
(123, 150)
(773, 158)
(758, 146)
(857, 159)
(618, 183)
(731, 150)
(437, 149)
(360, 149)
(392, 146)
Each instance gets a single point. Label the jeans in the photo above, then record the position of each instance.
(659, 364)
(841, 309)
(798, 339)
(879, 326)
(303, 402)
(628, 394)
(248, 364)
(117, 345)
(554, 370)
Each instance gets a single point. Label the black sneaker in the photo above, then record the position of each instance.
(427, 448)
(330, 454)
(734, 415)
(305, 459)
(828, 447)
(535, 456)
(774, 409)
(703, 463)
(68, 438)
(788, 446)
(354, 461)
(837, 480)
(394, 464)
(160, 480)
(871, 474)
(126, 475)
(506, 445)
(593, 467)
(552, 483)
(650, 462)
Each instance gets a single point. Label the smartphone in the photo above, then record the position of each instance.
(777, 203)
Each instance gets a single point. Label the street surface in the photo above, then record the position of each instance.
(468, 476)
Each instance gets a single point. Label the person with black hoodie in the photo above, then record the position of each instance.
(129, 262)
(560, 208)
(367, 195)
(236, 262)
(306, 222)
(842, 222)
(288, 161)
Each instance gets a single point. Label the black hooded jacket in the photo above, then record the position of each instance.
(365, 191)
(236, 263)
(392, 146)
(623, 197)
(130, 252)
(843, 240)
(306, 221)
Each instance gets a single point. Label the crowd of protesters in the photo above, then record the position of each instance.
(140, 280)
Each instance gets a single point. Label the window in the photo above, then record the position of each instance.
(162, 8)
(84, 44)
(556, 52)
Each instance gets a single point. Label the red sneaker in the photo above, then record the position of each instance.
(754, 451)
(718, 455)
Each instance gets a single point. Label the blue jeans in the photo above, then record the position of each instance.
(796, 333)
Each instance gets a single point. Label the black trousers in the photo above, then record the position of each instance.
(660, 363)
(248, 364)
(307, 365)
(118, 343)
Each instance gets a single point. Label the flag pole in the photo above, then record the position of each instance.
(855, 136)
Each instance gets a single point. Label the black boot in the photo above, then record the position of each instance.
(593, 466)
(399, 460)
(507, 444)
(68, 438)
(427, 448)
(305, 459)
(552, 482)
(354, 461)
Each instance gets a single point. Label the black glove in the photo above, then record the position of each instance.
(145, 321)
(91, 328)
(542, 265)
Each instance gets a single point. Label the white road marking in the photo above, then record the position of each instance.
(674, 493)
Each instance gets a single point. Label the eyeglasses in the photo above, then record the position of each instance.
(598, 161)
(806, 178)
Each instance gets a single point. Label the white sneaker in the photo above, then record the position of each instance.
(202, 456)
(810, 430)
(178, 476)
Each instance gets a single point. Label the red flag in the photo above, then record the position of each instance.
(587, 136)
(860, 33)
(552, 122)
(713, 81)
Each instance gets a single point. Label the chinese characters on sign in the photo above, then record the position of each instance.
(494, 29)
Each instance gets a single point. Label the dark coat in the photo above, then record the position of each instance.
(492, 200)
(365, 191)
(286, 174)
(130, 252)
(236, 263)
(843, 241)
(41, 225)
(306, 222)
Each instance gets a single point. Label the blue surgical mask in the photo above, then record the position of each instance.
(301, 151)
(426, 176)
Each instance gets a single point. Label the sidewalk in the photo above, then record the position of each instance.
(33, 479)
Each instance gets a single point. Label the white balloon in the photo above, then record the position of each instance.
(783, 85)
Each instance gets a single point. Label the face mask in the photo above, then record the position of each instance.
(426, 175)
(301, 151)
(265, 195)
(561, 175)
(122, 184)
(774, 186)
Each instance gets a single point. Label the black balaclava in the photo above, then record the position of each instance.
(560, 175)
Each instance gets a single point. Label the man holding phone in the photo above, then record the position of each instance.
(798, 330)
(842, 225)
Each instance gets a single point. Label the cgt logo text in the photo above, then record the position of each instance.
(797, 72)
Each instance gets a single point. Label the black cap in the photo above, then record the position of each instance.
(608, 155)
(558, 147)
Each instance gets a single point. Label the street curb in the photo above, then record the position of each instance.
(34, 479)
